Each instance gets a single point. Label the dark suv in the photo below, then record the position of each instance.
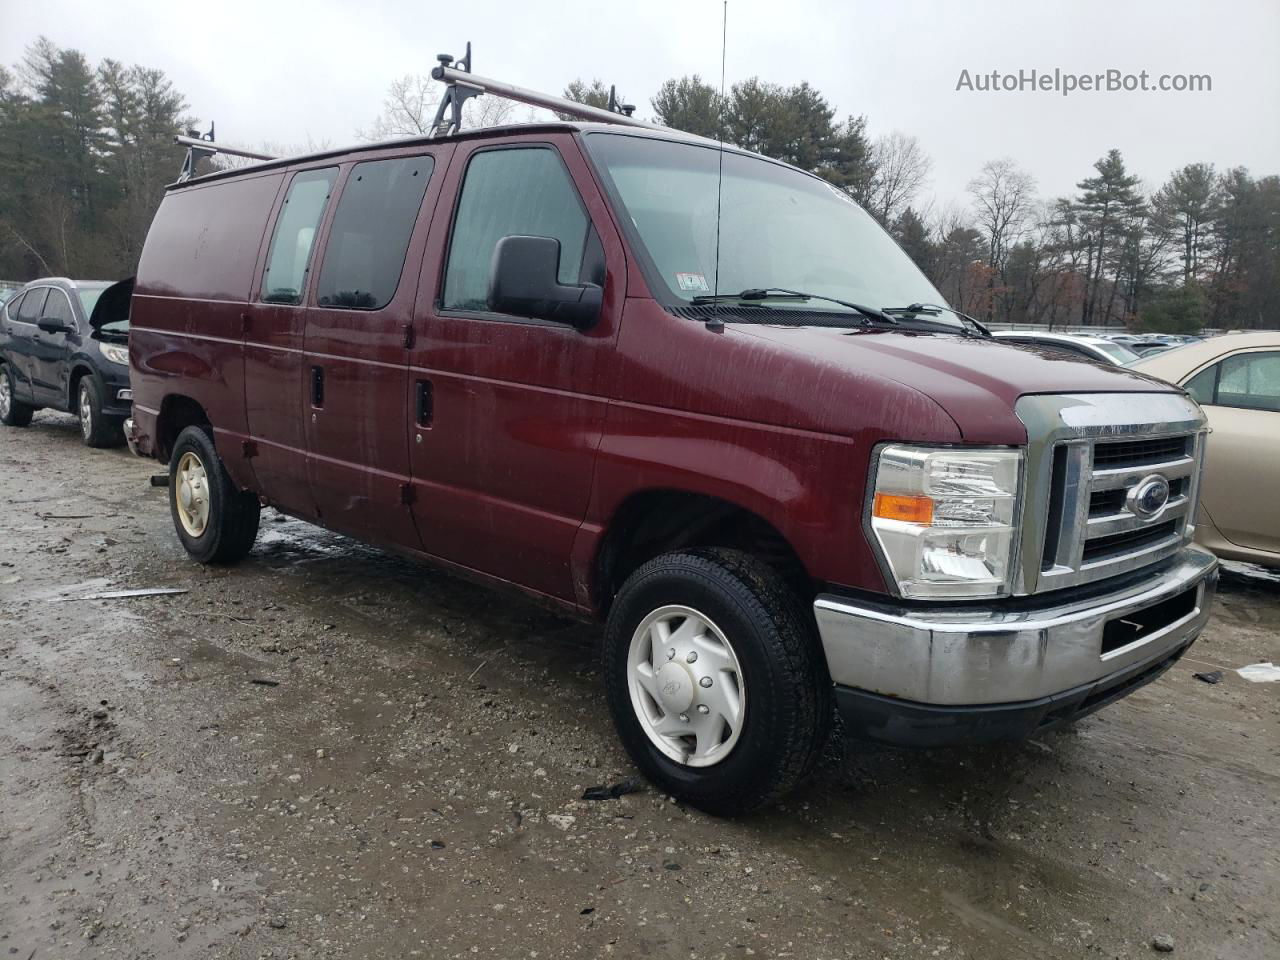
(57, 351)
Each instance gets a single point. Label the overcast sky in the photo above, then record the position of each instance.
(290, 72)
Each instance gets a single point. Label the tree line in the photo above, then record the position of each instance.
(85, 153)
(1202, 249)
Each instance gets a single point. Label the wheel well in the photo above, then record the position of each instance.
(77, 374)
(660, 521)
(176, 414)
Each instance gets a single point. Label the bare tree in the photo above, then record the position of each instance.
(1002, 199)
(1003, 196)
(901, 171)
(409, 109)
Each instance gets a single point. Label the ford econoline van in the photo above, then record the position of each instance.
(696, 395)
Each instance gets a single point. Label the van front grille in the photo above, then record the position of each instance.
(1118, 544)
(1093, 529)
(1139, 453)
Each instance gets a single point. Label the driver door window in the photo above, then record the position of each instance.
(523, 191)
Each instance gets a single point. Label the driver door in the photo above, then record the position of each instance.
(507, 412)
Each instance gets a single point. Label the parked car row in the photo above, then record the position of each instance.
(1098, 349)
(498, 351)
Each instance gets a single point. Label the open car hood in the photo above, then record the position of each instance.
(112, 305)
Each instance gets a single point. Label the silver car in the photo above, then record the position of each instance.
(1075, 345)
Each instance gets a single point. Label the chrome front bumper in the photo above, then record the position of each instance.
(975, 656)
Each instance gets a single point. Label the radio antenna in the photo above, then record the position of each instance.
(715, 323)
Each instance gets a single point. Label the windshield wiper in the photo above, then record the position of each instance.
(934, 308)
(782, 293)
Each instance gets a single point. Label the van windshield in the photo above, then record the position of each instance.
(779, 228)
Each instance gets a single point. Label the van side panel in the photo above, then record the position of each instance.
(186, 326)
(730, 416)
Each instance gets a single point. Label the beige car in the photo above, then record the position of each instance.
(1236, 378)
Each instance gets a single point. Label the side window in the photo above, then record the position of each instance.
(32, 305)
(13, 306)
(1202, 385)
(59, 306)
(1251, 381)
(295, 234)
(370, 234)
(522, 191)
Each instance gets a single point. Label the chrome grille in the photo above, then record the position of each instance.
(1084, 521)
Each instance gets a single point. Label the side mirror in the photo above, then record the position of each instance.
(53, 325)
(523, 280)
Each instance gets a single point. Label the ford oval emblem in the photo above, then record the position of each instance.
(1149, 497)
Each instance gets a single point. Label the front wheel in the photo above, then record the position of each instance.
(96, 428)
(215, 522)
(715, 679)
(13, 412)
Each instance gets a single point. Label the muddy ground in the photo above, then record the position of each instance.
(406, 781)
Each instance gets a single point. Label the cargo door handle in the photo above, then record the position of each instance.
(317, 386)
(425, 403)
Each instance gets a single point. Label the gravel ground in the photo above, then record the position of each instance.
(328, 751)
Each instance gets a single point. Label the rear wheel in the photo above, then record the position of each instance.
(13, 412)
(97, 429)
(215, 522)
(715, 679)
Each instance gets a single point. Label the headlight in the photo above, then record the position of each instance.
(946, 519)
(116, 354)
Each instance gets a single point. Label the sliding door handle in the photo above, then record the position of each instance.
(317, 386)
(425, 407)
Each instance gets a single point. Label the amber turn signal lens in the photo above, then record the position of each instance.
(892, 506)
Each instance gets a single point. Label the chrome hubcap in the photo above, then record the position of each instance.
(5, 397)
(686, 686)
(86, 412)
(191, 494)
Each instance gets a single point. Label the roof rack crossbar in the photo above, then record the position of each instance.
(462, 84)
(202, 145)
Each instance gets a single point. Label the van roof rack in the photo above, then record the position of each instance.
(202, 145)
(461, 84)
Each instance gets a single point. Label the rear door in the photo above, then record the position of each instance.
(49, 373)
(358, 329)
(274, 336)
(507, 412)
(13, 346)
(24, 339)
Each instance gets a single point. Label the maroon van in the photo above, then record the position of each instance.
(503, 351)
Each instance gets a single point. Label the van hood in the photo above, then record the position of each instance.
(975, 380)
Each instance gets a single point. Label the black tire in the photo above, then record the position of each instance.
(788, 705)
(96, 428)
(232, 519)
(13, 413)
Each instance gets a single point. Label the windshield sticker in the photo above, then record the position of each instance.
(692, 281)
